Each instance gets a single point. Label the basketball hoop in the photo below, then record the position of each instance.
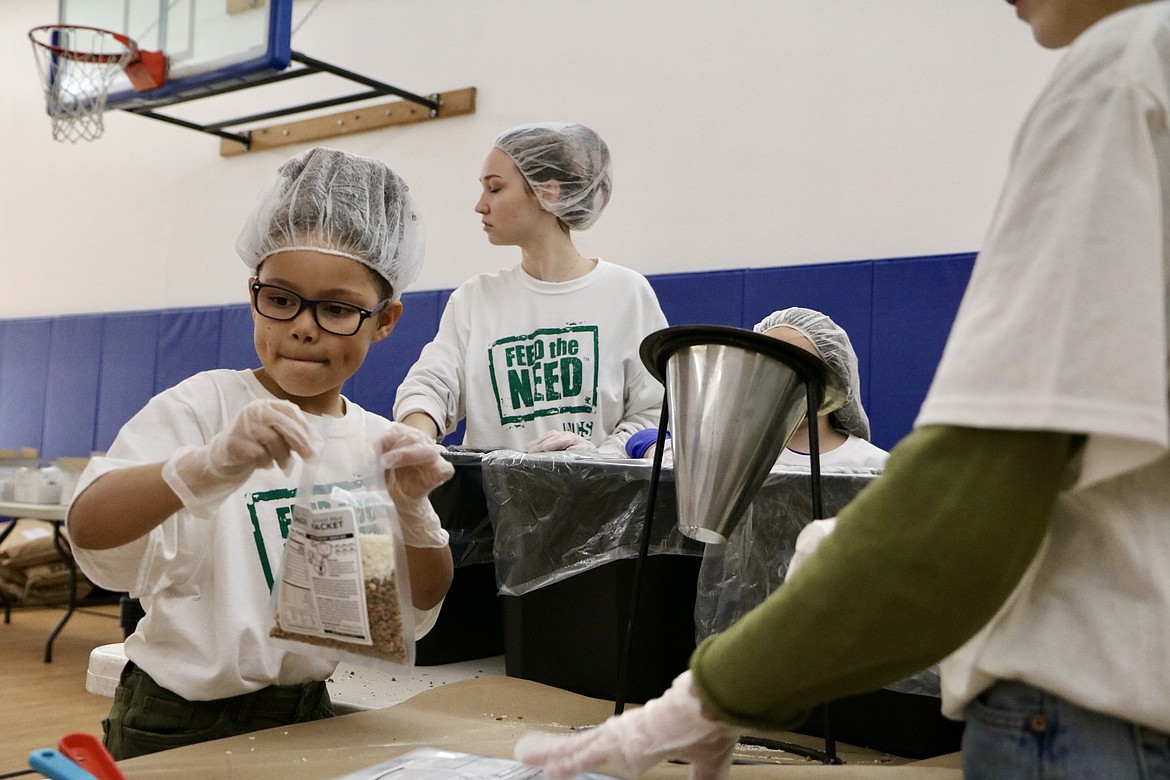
(78, 64)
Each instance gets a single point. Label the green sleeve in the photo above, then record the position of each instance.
(919, 562)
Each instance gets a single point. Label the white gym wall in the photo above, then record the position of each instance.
(745, 133)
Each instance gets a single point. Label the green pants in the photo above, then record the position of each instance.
(147, 718)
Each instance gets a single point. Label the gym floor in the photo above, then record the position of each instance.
(44, 701)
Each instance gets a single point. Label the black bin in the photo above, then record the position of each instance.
(471, 623)
(571, 633)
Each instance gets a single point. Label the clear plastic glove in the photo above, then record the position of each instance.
(560, 441)
(265, 432)
(671, 726)
(414, 466)
(807, 541)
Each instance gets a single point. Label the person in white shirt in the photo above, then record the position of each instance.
(541, 356)
(1020, 532)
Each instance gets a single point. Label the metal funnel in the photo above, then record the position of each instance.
(734, 398)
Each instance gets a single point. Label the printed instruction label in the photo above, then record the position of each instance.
(322, 590)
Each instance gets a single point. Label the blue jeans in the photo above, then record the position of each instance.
(1017, 732)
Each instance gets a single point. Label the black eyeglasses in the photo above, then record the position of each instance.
(340, 319)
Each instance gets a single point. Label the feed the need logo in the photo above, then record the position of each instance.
(548, 371)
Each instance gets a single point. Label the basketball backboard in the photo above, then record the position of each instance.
(208, 43)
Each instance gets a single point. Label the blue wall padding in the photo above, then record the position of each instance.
(68, 384)
(716, 300)
(24, 376)
(188, 342)
(75, 348)
(236, 347)
(387, 362)
(127, 378)
(914, 304)
(844, 291)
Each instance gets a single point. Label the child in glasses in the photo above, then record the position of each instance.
(188, 509)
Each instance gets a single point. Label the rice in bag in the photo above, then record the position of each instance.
(343, 591)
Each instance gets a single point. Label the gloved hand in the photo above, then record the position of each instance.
(414, 467)
(671, 726)
(558, 441)
(266, 431)
(807, 541)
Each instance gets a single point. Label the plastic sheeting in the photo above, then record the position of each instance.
(736, 577)
(557, 514)
(545, 517)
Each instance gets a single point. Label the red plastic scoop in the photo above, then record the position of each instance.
(90, 754)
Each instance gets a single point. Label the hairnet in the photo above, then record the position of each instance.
(340, 204)
(574, 157)
(833, 345)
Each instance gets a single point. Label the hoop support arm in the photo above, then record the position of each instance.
(239, 138)
(381, 88)
(410, 108)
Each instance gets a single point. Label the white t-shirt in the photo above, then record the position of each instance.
(519, 358)
(206, 584)
(854, 452)
(1064, 327)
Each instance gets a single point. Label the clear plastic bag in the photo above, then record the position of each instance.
(343, 591)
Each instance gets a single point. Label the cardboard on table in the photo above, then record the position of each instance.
(485, 715)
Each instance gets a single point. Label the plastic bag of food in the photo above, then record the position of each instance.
(344, 589)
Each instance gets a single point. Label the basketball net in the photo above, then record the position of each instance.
(77, 66)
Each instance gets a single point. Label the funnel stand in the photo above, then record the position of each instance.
(692, 361)
(813, 395)
(818, 513)
(643, 551)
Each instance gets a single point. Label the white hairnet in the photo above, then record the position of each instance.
(340, 204)
(835, 349)
(574, 157)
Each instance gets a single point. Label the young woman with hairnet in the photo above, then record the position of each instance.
(543, 355)
(1021, 530)
(188, 509)
(843, 435)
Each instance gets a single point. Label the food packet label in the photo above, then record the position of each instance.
(322, 592)
(343, 588)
